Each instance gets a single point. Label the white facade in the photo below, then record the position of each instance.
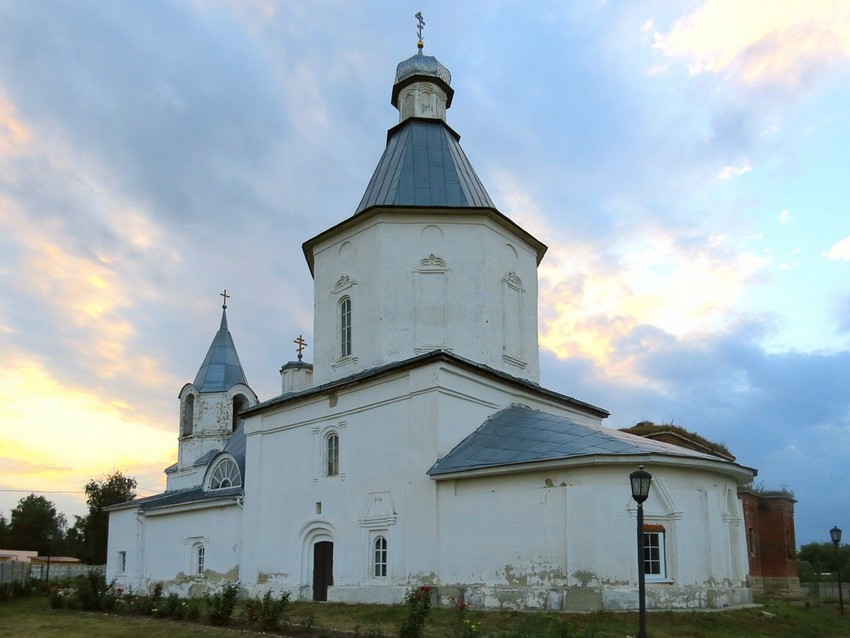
(420, 449)
(426, 280)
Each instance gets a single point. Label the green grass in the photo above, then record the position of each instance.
(33, 618)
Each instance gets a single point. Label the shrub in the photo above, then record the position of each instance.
(170, 607)
(418, 603)
(193, 609)
(220, 604)
(88, 592)
(272, 611)
(464, 627)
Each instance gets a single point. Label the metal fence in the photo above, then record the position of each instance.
(824, 590)
(14, 572)
(62, 572)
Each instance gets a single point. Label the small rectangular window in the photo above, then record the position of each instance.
(345, 328)
(122, 561)
(201, 560)
(654, 559)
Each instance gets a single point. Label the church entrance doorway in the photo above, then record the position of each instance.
(323, 569)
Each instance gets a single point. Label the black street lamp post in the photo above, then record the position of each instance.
(49, 549)
(835, 535)
(641, 480)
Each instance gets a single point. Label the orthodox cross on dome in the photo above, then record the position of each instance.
(419, 28)
(226, 297)
(301, 345)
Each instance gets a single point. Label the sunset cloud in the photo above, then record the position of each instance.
(761, 41)
(62, 432)
(680, 288)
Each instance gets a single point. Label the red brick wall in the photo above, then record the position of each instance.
(771, 543)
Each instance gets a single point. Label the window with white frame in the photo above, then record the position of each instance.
(332, 454)
(122, 561)
(654, 552)
(379, 557)
(200, 556)
(225, 474)
(345, 327)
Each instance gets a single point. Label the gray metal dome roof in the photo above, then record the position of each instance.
(420, 64)
(424, 165)
(221, 369)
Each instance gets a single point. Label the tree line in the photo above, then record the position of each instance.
(36, 525)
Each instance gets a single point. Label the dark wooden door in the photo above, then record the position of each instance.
(323, 569)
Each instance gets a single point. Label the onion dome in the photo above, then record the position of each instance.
(422, 87)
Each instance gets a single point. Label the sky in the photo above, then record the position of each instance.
(686, 163)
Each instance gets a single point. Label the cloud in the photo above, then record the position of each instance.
(727, 388)
(61, 433)
(840, 251)
(733, 171)
(761, 42)
(677, 285)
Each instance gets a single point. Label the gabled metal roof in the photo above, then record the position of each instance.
(519, 434)
(221, 369)
(424, 165)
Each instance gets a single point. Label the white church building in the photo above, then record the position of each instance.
(419, 447)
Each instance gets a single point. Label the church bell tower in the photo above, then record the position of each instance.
(209, 408)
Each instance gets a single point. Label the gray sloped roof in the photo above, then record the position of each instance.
(519, 434)
(236, 448)
(424, 165)
(221, 369)
(181, 497)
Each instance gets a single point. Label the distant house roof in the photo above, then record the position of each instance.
(519, 434)
(54, 560)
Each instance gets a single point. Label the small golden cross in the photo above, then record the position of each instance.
(301, 345)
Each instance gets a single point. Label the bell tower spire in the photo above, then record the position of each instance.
(210, 406)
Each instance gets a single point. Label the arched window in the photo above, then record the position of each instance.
(200, 559)
(332, 454)
(379, 557)
(239, 404)
(225, 474)
(188, 415)
(345, 327)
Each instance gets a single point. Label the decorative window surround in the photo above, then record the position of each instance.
(378, 511)
(432, 262)
(519, 363)
(512, 280)
(343, 283)
(344, 361)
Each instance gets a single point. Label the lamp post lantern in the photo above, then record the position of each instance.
(49, 549)
(835, 535)
(641, 480)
